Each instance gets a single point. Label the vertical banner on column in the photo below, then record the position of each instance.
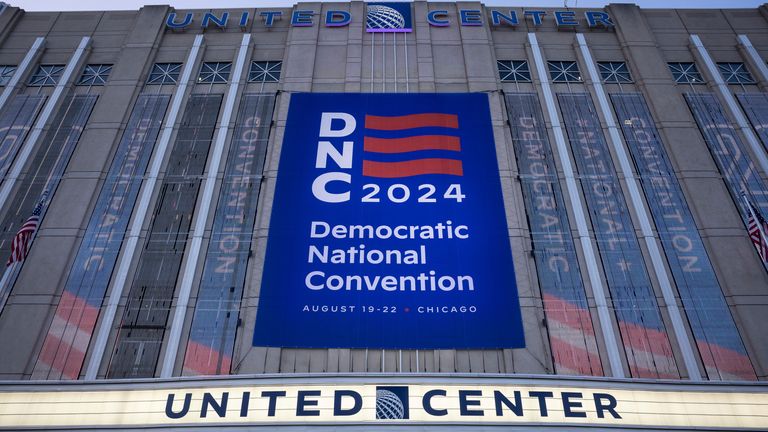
(15, 122)
(571, 335)
(645, 339)
(47, 167)
(388, 227)
(214, 325)
(756, 107)
(142, 327)
(717, 337)
(70, 332)
(730, 154)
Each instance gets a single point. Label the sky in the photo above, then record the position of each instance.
(58, 5)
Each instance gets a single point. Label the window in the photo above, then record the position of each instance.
(685, 73)
(6, 72)
(735, 73)
(564, 71)
(215, 72)
(46, 75)
(265, 71)
(164, 73)
(513, 71)
(95, 74)
(614, 72)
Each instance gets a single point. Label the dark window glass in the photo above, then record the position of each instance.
(265, 71)
(142, 328)
(164, 73)
(645, 339)
(212, 336)
(735, 73)
(564, 71)
(717, 338)
(95, 74)
(571, 334)
(96, 257)
(614, 72)
(6, 73)
(214, 73)
(756, 107)
(46, 75)
(685, 73)
(513, 71)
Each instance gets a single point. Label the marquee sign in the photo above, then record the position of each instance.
(388, 227)
(391, 17)
(385, 400)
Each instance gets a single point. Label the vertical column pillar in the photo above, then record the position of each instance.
(21, 70)
(657, 261)
(754, 58)
(37, 130)
(596, 282)
(188, 274)
(142, 207)
(730, 101)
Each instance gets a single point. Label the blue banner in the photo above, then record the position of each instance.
(388, 227)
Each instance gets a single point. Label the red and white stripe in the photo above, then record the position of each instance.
(23, 239)
(753, 226)
(649, 352)
(66, 343)
(204, 360)
(571, 338)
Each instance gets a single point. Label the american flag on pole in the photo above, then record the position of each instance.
(757, 227)
(23, 238)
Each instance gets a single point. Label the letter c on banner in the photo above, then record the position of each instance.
(320, 191)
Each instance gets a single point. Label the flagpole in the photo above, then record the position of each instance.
(758, 224)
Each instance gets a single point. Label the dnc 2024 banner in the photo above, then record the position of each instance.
(388, 227)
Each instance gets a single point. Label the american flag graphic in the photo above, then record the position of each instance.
(23, 238)
(66, 343)
(410, 167)
(757, 228)
(571, 337)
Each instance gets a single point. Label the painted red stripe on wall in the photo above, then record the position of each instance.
(410, 144)
(412, 121)
(412, 168)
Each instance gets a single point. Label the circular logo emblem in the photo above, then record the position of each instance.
(384, 17)
(389, 406)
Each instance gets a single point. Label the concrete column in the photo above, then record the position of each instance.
(22, 70)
